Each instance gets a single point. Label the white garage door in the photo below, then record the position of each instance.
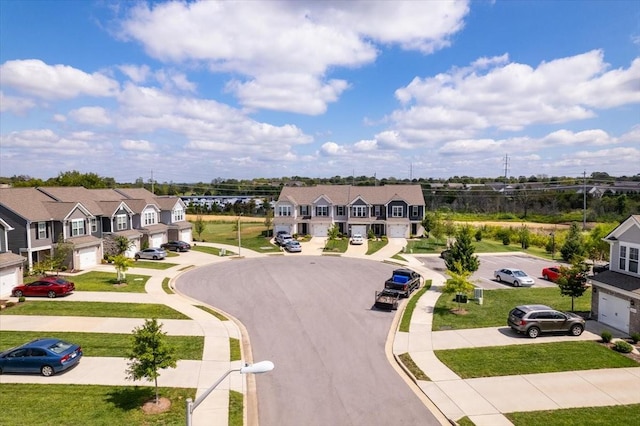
(613, 311)
(8, 280)
(359, 229)
(320, 230)
(133, 248)
(155, 240)
(185, 236)
(398, 231)
(87, 257)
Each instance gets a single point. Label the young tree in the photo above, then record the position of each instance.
(149, 353)
(121, 263)
(60, 254)
(573, 281)
(597, 248)
(574, 244)
(122, 244)
(430, 222)
(333, 232)
(268, 219)
(461, 258)
(199, 226)
(458, 284)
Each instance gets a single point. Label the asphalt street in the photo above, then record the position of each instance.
(313, 317)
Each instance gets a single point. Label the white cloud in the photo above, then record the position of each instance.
(136, 145)
(136, 73)
(332, 149)
(97, 116)
(45, 140)
(54, 82)
(14, 104)
(271, 42)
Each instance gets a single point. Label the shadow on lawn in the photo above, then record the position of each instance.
(130, 398)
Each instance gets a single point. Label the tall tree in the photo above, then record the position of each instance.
(573, 281)
(150, 352)
(574, 244)
(461, 256)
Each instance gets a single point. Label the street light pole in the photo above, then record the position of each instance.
(257, 368)
(239, 238)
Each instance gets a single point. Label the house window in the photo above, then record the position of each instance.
(359, 211)
(623, 258)
(284, 210)
(340, 210)
(94, 225)
(77, 227)
(415, 211)
(304, 211)
(178, 214)
(396, 211)
(150, 218)
(42, 230)
(377, 211)
(121, 222)
(322, 211)
(633, 259)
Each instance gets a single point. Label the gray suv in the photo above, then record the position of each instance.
(535, 319)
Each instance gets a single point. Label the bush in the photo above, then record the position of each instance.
(606, 336)
(479, 235)
(10, 304)
(635, 337)
(622, 346)
(21, 299)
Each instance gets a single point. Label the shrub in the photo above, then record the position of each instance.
(10, 304)
(606, 336)
(21, 299)
(478, 235)
(622, 346)
(635, 337)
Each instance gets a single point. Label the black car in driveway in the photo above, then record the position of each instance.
(176, 246)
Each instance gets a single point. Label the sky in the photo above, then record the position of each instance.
(192, 91)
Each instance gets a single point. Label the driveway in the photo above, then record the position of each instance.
(483, 277)
(312, 317)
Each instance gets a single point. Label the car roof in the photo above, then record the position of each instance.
(529, 308)
(44, 342)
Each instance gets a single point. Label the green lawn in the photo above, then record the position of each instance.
(106, 281)
(251, 235)
(432, 245)
(405, 322)
(211, 250)
(52, 404)
(531, 359)
(94, 309)
(497, 304)
(105, 344)
(615, 415)
(153, 264)
(375, 245)
(339, 245)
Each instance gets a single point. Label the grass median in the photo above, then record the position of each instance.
(106, 281)
(497, 304)
(615, 415)
(94, 309)
(531, 359)
(105, 344)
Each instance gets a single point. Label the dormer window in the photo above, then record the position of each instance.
(149, 218)
(178, 214)
(121, 222)
(322, 211)
(77, 227)
(359, 211)
(284, 210)
(42, 230)
(396, 211)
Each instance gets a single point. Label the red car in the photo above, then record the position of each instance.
(47, 286)
(551, 274)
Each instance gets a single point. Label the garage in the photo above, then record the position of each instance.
(155, 240)
(8, 280)
(320, 230)
(87, 257)
(359, 229)
(613, 311)
(185, 235)
(398, 231)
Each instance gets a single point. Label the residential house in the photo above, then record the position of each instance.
(616, 292)
(11, 264)
(391, 210)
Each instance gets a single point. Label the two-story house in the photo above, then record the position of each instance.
(616, 292)
(11, 264)
(391, 210)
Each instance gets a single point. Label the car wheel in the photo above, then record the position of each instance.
(18, 293)
(47, 370)
(546, 277)
(137, 257)
(533, 332)
(576, 329)
(51, 294)
(516, 283)
(498, 278)
(155, 257)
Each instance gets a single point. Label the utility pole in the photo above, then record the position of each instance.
(506, 167)
(152, 188)
(584, 200)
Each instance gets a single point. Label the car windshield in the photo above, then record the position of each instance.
(519, 273)
(60, 347)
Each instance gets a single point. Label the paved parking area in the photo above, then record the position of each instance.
(483, 277)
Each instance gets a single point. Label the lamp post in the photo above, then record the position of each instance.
(256, 368)
(239, 238)
(553, 244)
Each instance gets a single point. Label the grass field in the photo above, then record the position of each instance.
(497, 304)
(511, 360)
(615, 415)
(105, 344)
(94, 309)
(53, 404)
(251, 235)
(106, 281)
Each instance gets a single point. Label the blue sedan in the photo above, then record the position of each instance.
(46, 356)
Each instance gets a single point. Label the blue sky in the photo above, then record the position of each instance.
(195, 91)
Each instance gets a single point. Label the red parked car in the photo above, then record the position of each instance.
(551, 274)
(46, 286)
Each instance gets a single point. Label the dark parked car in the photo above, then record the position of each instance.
(151, 253)
(600, 268)
(46, 286)
(46, 356)
(535, 319)
(176, 246)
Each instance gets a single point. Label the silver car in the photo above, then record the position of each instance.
(515, 277)
(152, 253)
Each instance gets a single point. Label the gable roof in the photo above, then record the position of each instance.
(28, 203)
(346, 194)
(633, 220)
